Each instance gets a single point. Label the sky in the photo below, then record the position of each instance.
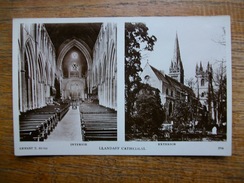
(198, 40)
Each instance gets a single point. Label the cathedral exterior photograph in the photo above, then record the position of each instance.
(67, 75)
(175, 83)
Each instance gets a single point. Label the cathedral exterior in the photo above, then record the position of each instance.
(171, 86)
(204, 93)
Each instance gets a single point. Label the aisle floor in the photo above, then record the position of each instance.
(68, 129)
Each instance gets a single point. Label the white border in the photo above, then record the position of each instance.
(120, 147)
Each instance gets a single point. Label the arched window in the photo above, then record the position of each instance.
(202, 82)
(167, 91)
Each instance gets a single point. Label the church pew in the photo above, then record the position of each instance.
(98, 123)
(48, 121)
(60, 110)
(30, 134)
(38, 132)
(99, 131)
(100, 128)
(36, 122)
(49, 118)
(39, 126)
(99, 137)
(100, 118)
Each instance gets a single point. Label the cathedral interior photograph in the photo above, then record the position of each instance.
(67, 75)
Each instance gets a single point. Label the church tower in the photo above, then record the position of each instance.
(202, 83)
(176, 70)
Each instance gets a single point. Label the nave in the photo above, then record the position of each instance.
(60, 64)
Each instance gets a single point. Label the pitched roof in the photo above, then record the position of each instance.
(172, 82)
(159, 74)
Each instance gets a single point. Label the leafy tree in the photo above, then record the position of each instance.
(181, 112)
(185, 111)
(136, 40)
(150, 113)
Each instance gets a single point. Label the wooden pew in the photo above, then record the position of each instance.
(49, 120)
(37, 124)
(99, 126)
(30, 134)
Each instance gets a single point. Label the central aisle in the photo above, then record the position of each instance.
(68, 129)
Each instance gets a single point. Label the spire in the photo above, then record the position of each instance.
(176, 68)
(196, 68)
(176, 57)
(208, 67)
(201, 68)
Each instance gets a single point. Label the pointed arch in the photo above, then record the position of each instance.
(81, 45)
(40, 68)
(29, 53)
(47, 74)
(27, 76)
(113, 77)
(84, 49)
(41, 82)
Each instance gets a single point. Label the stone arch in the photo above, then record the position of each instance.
(84, 49)
(41, 67)
(99, 75)
(103, 68)
(81, 45)
(47, 73)
(113, 78)
(42, 80)
(27, 76)
(111, 83)
(29, 53)
(51, 77)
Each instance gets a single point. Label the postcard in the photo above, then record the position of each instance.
(122, 86)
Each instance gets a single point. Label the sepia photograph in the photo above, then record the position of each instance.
(67, 81)
(122, 86)
(175, 81)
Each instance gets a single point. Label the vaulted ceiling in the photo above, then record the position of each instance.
(87, 32)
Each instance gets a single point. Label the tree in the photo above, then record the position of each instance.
(185, 111)
(136, 40)
(221, 92)
(149, 111)
(190, 83)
